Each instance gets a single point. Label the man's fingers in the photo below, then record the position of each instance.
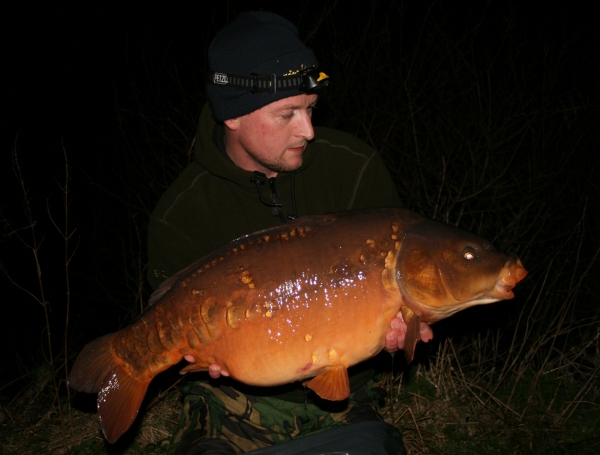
(214, 370)
(391, 342)
(394, 339)
(426, 332)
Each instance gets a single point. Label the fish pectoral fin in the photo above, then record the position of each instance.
(333, 384)
(193, 368)
(413, 335)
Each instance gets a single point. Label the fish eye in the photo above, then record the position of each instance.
(469, 255)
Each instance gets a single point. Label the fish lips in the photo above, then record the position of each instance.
(511, 275)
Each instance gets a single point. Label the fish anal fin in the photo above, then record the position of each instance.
(119, 401)
(413, 333)
(333, 384)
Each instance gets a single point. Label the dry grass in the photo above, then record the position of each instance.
(444, 409)
(32, 425)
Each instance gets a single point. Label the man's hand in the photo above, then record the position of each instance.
(214, 370)
(394, 339)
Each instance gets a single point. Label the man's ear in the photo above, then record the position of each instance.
(233, 124)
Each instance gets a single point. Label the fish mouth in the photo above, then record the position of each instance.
(504, 290)
(512, 273)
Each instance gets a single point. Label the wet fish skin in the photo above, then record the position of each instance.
(307, 299)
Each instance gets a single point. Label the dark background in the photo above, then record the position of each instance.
(70, 68)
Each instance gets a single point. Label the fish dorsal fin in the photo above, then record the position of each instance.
(333, 384)
(413, 334)
(170, 282)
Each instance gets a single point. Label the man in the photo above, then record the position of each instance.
(259, 162)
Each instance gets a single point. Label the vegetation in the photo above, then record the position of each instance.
(482, 123)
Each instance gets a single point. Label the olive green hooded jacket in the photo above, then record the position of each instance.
(213, 201)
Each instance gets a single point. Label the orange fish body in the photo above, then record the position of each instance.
(305, 300)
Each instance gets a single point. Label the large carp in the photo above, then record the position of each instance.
(304, 300)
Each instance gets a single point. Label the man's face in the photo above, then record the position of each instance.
(273, 138)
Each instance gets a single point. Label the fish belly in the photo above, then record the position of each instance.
(300, 342)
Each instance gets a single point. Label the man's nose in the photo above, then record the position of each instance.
(305, 127)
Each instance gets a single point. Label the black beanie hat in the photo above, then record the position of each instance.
(256, 42)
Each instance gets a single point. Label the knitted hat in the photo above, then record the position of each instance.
(256, 42)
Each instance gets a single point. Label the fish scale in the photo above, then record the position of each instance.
(300, 302)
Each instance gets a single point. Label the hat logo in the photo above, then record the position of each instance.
(220, 78)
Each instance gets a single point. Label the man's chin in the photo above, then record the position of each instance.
(292, 163)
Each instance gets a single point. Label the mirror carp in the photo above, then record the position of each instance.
(299, 302)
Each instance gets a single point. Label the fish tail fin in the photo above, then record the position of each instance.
(119, 401)
(94, 363)
(99, 370)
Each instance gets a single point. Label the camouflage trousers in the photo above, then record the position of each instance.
(222, 420)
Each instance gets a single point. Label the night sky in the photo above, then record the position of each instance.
(66, 60)
(67, 65)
